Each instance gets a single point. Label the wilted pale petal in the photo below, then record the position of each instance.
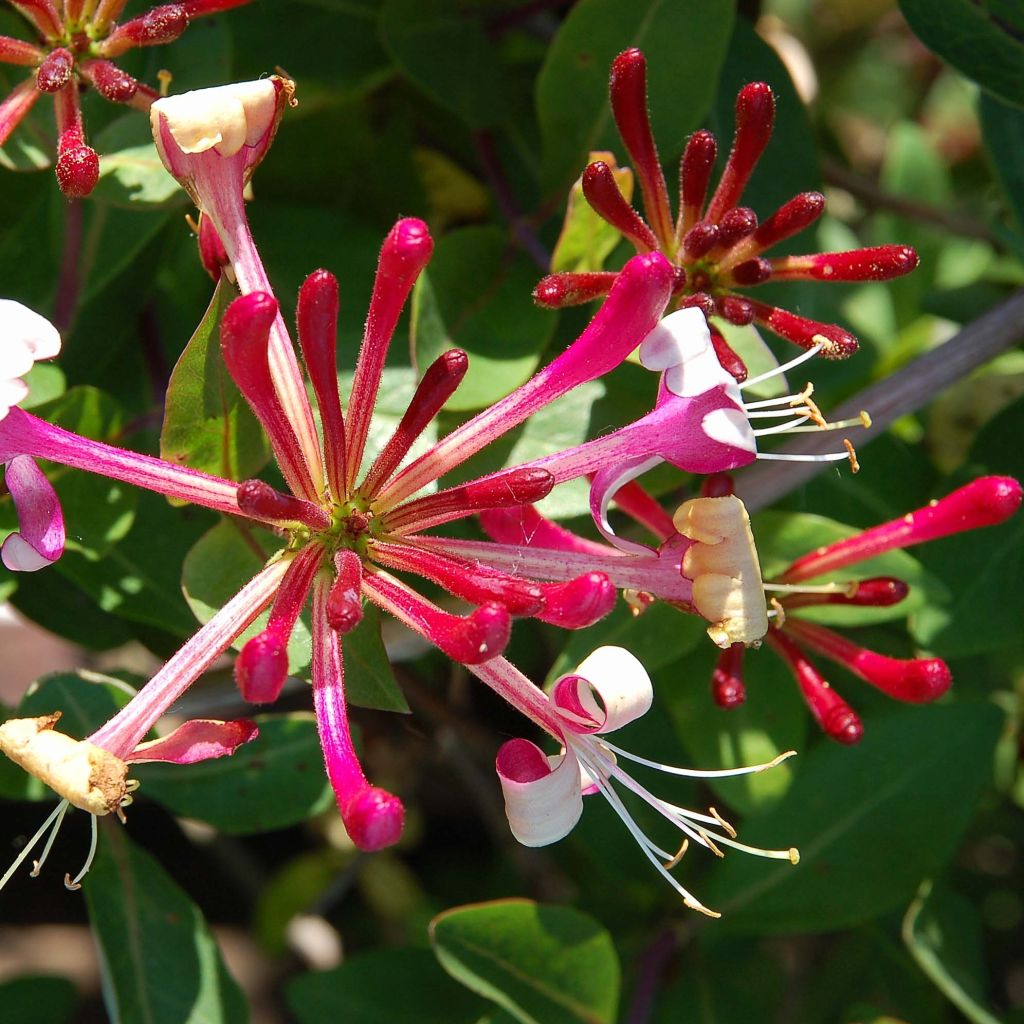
(198, 740)
(543, 799)
(41, 539)
(610, 689)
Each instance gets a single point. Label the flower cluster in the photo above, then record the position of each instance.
(76, 42)
(715, 245)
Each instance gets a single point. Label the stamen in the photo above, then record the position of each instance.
(827, 457)
(74, 884)
(782, 368)
(57, 812)
(683, 847)
(37, 866)
(846, 589)
(854, 464)
(694, 773)
(721, 821)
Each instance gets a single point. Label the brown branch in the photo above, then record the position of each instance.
(906, 390)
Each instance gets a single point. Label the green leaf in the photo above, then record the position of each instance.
(274, 781)
(870, 822)
(772, 720)
(587, 239)
(1002, 126)
(784, 536)
(159, 959)
(423, 37)
(495, 320)
(131, 171)
(207, 424)
(684, 41)
(219, 564)
(369, 679)
(364, 991)
(943, 932)
(539, 963)
(37, 998)
(983, 40)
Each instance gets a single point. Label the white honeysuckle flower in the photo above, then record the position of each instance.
(25, 339)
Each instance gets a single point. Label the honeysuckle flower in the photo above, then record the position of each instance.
(74, 48)
(92, 774)
(351, 522)
(544, 795)
(25, 338)
(715, 244)
(827, 576)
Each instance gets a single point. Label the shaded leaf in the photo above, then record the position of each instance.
(159, 959)
(870, 822)
(538, 963)
(364, 991)
(131, 171)
(36, 998)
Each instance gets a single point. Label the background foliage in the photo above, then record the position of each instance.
(478, 115)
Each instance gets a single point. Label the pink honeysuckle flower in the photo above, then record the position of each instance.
(716, 245)
(353, 525)
(546, 550)
(75, 44)
(25, 338)
(544, 795)
(92, 774)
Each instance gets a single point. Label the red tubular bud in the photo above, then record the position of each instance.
(987, 501)
(578, 603)
(344, 601)
(755, 116)
(751, 272)
(480, 636)
(55, 70)
(17, 51)
(628, 89)
(727, 688)
(836, 718)
(736, 310)
(373, 819)
(154, 28)
(43, 14)
(700, 239)
(736, 224)
(258, 499)
(881, 263)
(836, 343)
(78, 166)
(439, 383)
(558, 290)
(717, 485)
(602, 192)
(212, 254)
(879, 592)
(789, 219)
(110, 81)
(703, 302)
(694, 174)
(262, 667)
(729, 360)
(503, 490)
(914, 680)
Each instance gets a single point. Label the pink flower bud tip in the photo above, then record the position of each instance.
(842, 724)
(407, 248)
(262, 668)
(480, 636)
(374, 819)
(580, 602)
(77, 170)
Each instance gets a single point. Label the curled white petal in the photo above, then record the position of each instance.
(541, 808)
(731, 427)
(681, 346)
(603, 489)
(20, 324)
(19, 556)
(622, 684)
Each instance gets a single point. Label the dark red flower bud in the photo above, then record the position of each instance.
(156, 27)
(77, 169)
(694, 174)
(881, 263)
(836, 343)
(789, 219)
(602, 192)
(729, 360)
(700, 239)
(751, 272)
(736, 310)
(737, 223)
(558, 290)
(727, 689)
(110, 81)
(55, 71)
(755, 116)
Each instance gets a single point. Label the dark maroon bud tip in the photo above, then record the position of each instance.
(926, 679)
(751, 272)
(842, 724)
(695, 169)
(157, 26)
(110, 81)
(717, 485)
(735, 224)
(727, 692)
(407, 248)
(212, 254)
(701, 301)
(727, 689)
(736, 310)
(728, 358)
(55, 71)
(755, 106)
(374, 819)
(77, 170)
(262, 668)
(558, 290)
(700, 239)
(880, 592)
(629, 62)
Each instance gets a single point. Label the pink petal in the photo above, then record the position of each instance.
(41, 540)
(199, 740)
(543, 798)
